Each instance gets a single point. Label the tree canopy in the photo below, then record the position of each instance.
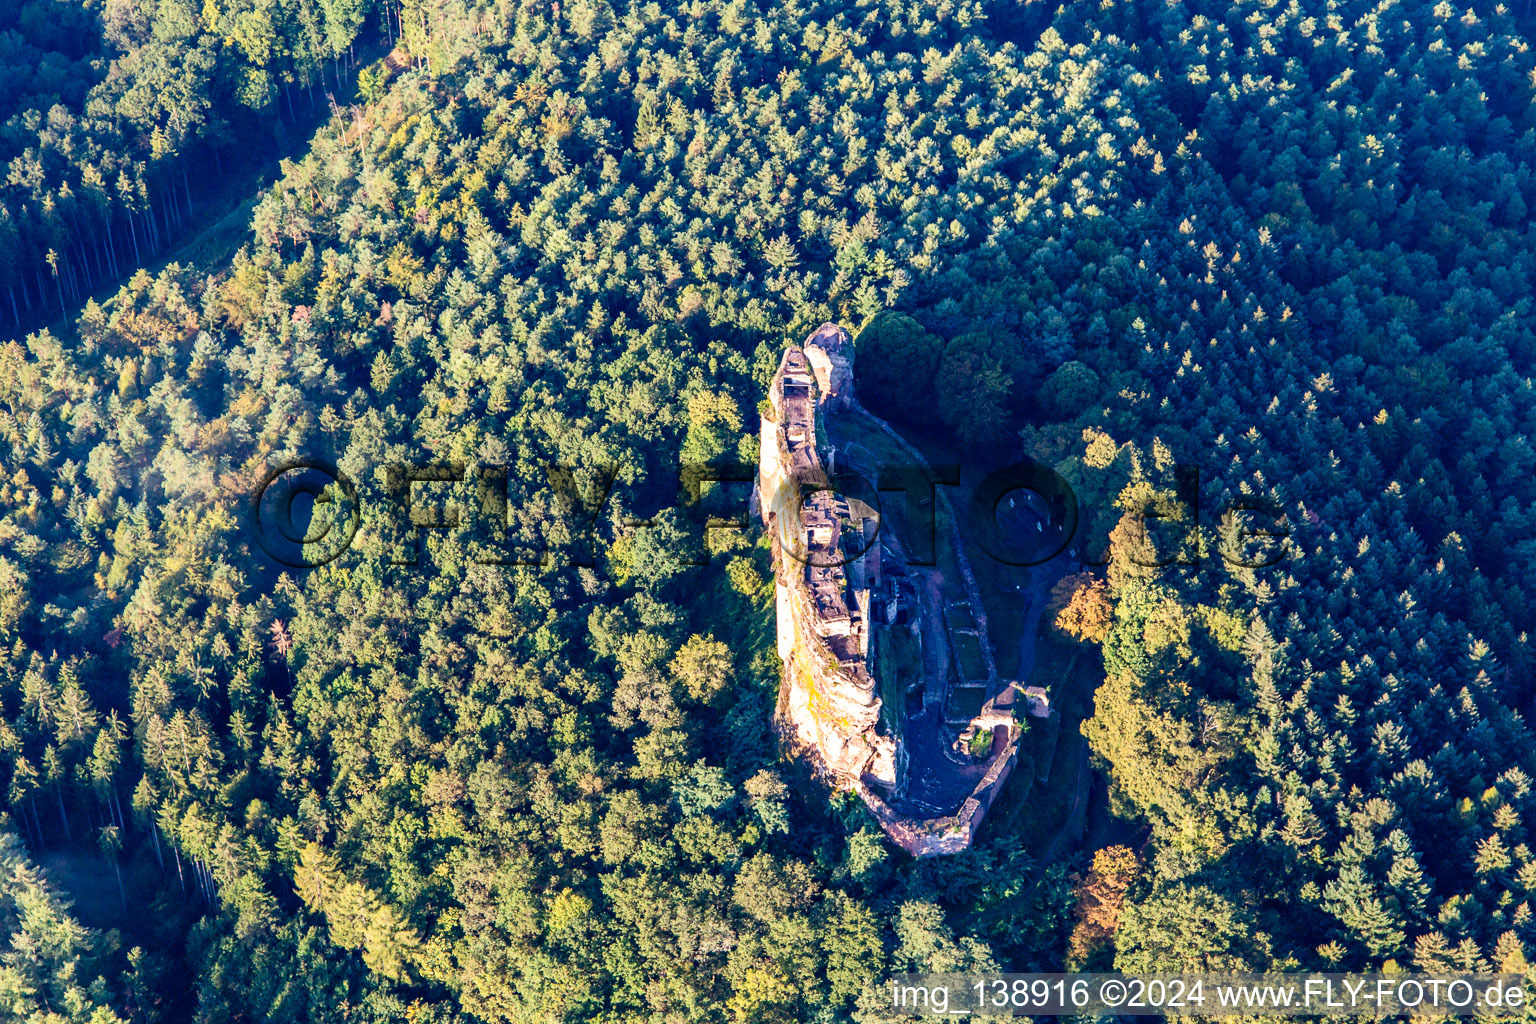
(507, 755)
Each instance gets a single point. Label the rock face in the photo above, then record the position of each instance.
(826, 571)
(829, 352)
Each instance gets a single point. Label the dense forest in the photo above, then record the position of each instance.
(507, 756)
(106, 104)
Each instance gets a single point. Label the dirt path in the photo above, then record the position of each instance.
(1042, 579)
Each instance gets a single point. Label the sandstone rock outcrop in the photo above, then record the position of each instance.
(827, 568)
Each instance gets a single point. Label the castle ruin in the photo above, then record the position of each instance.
(835, 611)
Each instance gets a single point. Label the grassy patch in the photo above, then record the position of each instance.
(981, 743)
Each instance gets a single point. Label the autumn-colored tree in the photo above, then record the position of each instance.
(1101, 895)
(1082, 607)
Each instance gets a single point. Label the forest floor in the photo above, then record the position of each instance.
(87, 878)
(89, 881)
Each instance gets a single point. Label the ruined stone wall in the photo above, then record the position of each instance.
(927, 837)
(830, 352)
